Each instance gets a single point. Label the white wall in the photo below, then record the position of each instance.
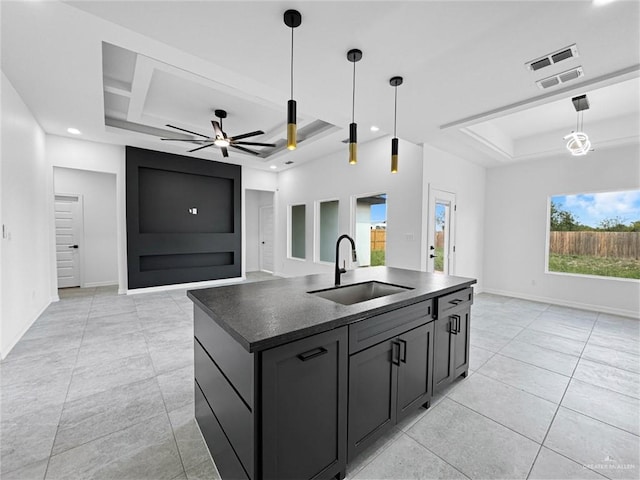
(516, 228)
(26, 188)
(333, 178)
(94, 157)
(254, 199)
(447, 172)
(99, 248)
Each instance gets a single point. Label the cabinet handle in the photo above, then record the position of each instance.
(457, 323)
(456, 301)
(453, 324)
(316, 352)
(395, 354)
(403, 350)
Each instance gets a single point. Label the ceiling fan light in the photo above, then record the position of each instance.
(292, 127)
(221, 142)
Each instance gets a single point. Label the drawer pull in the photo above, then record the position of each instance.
(316, 352)
(456, 301)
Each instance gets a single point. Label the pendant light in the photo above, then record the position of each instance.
(395, 82)
(578, 142)
(354, 55)
(292, 19)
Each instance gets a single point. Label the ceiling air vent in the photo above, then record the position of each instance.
(553, 58)
(560, 78)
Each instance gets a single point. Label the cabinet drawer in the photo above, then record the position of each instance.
(234, 416)
(234, 361)
(379, 328)
(223, 455)
(453, 300)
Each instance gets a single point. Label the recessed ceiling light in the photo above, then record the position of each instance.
(273, 167)
(599, 3)
(73, 131)
(374, 128)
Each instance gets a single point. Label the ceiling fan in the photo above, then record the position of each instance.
(220, 139)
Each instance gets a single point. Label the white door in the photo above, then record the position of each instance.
(68, 221)
(441, 232)
(266, 239)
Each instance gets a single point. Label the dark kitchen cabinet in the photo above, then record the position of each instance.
(386, 382)
(451, 337)
(304, 402)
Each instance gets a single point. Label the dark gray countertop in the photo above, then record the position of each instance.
(266, 314)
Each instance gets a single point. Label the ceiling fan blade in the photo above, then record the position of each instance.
(252, 152)
(218, 129)
(188, 131)
(257, 144)
(195, 140)
(200, 148)
(247, 135)
(225, 152)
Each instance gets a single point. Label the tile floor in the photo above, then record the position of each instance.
(101, 386)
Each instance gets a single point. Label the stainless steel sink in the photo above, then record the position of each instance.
(359, 292)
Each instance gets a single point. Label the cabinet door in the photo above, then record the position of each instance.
(304, 401)
(442, 352)
(372, 394)
(461, 342)
(415, 370)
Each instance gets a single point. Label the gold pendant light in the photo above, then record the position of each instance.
(292, 19)
(395, 82)
(353, 55)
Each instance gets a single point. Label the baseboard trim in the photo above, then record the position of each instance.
(178, 286)
(99, 284)
(566, 303)
(4, 353)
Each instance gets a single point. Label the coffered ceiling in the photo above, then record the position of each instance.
(120, 71)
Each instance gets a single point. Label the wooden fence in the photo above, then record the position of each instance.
(378, 239)
(598, 244)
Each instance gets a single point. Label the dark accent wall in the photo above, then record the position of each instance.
(167, 243)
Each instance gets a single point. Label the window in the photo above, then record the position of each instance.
(595, 234)
(297, 228)
(327, 230)
(371, 229)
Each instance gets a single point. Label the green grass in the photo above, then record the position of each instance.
(377, 258)
(588, 265)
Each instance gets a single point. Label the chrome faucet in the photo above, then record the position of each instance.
(354, 257)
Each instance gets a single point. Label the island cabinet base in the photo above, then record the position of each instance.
(301, 410)
(290, 422)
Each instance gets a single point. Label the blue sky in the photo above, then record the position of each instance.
(378, 213)
(591, 208)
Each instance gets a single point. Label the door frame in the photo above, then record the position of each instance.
(353, 221)
(261, 230)
(444, 196)
(80, 199)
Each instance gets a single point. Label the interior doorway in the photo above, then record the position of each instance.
(370, 228)
(68, 224)
(441, 232)
(266, 239)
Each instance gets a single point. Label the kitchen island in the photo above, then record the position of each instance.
(294, 378)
